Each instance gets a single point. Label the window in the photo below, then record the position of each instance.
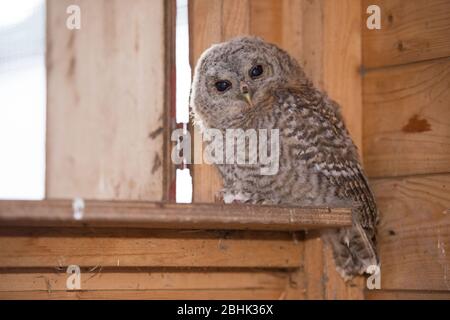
(22, 99)
(183, 178)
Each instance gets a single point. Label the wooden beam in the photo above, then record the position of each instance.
(225, 20)
(146, 279)
(342, 58)
(110, 247)
(265, 17)
(169, 121)
(156, 215)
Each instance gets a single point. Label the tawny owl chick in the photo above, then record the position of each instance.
(249, 84)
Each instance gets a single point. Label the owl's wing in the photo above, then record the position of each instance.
(334, 157)
(350, 182)
(344, 172)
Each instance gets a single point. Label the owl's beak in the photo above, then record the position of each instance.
(246, 93)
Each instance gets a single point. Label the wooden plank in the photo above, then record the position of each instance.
(410, 31)
(105, 113)
(235, 18)
(205, 178)
(342, 61)
(148, 283)
(314, 264)
(291, 28)
(415, 136)
(145, 279)
(265, 17)
(209, 13)
(60, 247)
(310, 55)
(214, 294)
(157, 215)
(414, 232)
(169, 121)
(406, 295)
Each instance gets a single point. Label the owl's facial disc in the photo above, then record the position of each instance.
(237, 79)
(233, 86)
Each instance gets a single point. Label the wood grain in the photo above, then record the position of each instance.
(264, 20)
(60, 247)
(235, 18)
(205, 178)
(169, 120)
(414, 232)
(407, 119)
(411, 31)
(125, 214)
(106, 108)
(342, 61)
(145, 279)
(209, 13)
(291, 28)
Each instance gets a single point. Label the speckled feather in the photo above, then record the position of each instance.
(319, 163)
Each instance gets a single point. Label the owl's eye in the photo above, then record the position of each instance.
(223, 85)
(256, 71)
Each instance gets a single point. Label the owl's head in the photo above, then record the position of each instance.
(235, 78)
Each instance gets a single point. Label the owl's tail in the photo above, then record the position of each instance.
(353, 250)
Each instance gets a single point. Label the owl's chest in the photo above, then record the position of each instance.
(290, 185)
(290, 179)
(278, 179)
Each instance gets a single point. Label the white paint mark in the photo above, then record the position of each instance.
(78, 208)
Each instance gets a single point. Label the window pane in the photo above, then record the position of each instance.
(183, 177)
(22, 99)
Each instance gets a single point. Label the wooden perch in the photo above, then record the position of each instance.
(155, 215)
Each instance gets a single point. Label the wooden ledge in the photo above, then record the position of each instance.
(159, 215)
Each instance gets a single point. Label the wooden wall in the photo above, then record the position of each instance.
(406, 140)
(325, 36)
(145, 264)
(109, 106)
(393, 87)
